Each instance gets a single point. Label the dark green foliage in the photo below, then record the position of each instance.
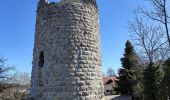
(125, 82)
(138, 90)
(166, 81)
(138, 83)
(149, 76)
(152, 80)
(126, 78)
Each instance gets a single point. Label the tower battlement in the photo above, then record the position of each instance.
(45, 2)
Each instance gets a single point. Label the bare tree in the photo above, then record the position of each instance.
(19, 87)
(159, 13)
(7, 73)
(22, 78)
(110, 72)
(149, 39)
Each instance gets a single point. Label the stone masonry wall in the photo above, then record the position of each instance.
(67, 55)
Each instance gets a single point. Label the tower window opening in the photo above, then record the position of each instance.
(85, 32)
(41, 59)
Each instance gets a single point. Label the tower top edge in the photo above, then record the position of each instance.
(66, 1)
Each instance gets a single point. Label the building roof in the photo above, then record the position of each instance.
(109, 80)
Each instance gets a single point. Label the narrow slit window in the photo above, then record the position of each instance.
(85, 33)
(41, 59)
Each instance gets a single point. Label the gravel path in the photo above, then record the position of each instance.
(117, 97)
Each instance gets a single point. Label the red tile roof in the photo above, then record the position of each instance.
(107, 79)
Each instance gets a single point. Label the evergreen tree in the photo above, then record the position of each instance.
(166, 81)
(126, 78)
(152, 82)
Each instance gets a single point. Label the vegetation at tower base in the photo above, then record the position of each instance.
(152, 82)
(129, 74)
(6, 74)
(166, 81)
(13, 85)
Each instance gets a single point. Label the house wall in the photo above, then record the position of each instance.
(109, 89)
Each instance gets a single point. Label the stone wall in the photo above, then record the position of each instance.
(67, 55)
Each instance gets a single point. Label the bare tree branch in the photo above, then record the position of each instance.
(150, 39)
(159, 14)
(6, 73)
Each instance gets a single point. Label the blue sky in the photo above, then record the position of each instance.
(17, 28)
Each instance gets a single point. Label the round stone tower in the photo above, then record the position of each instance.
(67, 55)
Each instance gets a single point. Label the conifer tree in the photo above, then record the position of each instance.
(166, 81)
(126, 79)
(152, 82)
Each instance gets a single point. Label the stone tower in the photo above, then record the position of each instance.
(67, 54)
